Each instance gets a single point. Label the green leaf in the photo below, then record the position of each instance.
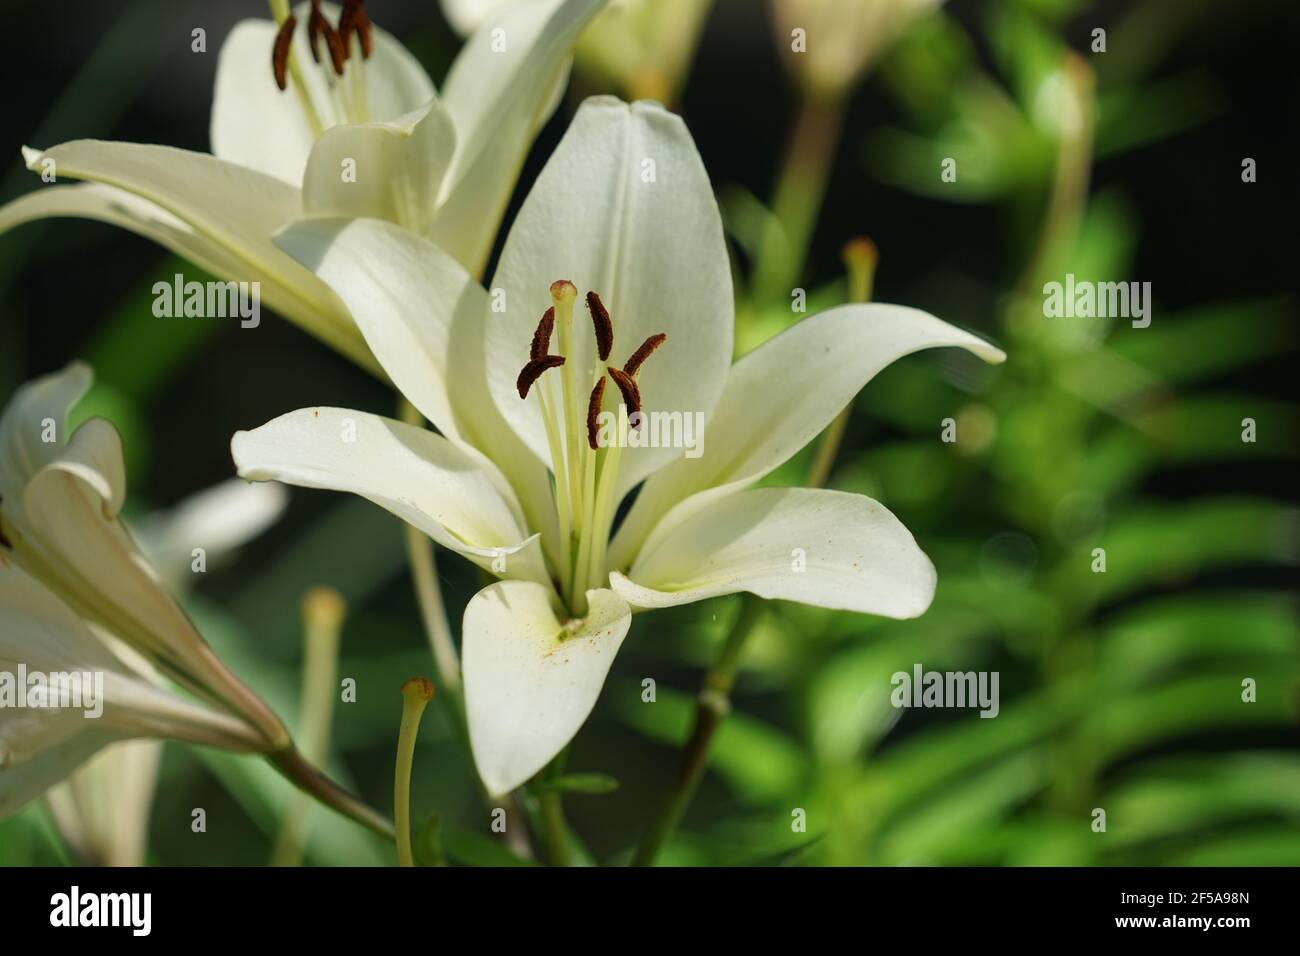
(592, 784)
(469, 848)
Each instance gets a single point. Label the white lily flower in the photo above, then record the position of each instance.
(102, 809)
(368, 136)
(624, 209)
(40, 745)
(60, 495)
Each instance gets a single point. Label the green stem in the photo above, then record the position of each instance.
(554, 832)
(712, 705)
(424, 572)
(555, 842)
(323, 612)
(295, 768)
(797, 199)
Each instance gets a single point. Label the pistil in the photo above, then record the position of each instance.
(586, 472)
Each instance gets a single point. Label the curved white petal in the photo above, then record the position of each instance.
(500, 90)
(383, 170)
(624, 208)
(422, 316)
(782, 395)
(826, 548)
(102, 811)
(118, 207)
(41, 745)
(441, 488)
(38, 408)
(256, 125)
(466, 16)
(219, 519)
(530, 680)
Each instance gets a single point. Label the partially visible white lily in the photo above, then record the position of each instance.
(829, 44)
(623, 209)
(102, 810)
(60, 495)
(39, 746)
(368, 136)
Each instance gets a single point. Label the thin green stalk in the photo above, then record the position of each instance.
(424, 572)
(295, 768)
(416, 694)
(797, 199)
(323, 611)
(554, 833)
(712, 705)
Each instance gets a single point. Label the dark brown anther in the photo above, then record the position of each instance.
(647, 349)
(338, 52)
(316, 26)
(280, 52)
(354, 19)
(631, 392)
(363, 31)
(542, 337)
(593, 413)
(603, 326)
(533, 371)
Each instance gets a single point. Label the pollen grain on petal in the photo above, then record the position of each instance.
(542, 337)
(633, 365)
(533, 371)
(280, 52)
(593, 413)
(601, 322)
(631, 391)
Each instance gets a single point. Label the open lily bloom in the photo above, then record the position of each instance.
(43, 736)
(60, 495)
(357, 130)
(540, 440)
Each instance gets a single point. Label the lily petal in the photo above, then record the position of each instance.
(826, 548)
(257, 126)
(498, 99)
(624, 208)
(441, 488)
(780, 396)
(422, 315)
(40, 746)
(230, 210)
(530, 679)
(399, 168)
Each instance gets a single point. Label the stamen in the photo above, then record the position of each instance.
(644, 352)
(542, 337)
(316, 24)
(631, 392)
(603, 326)
(338, 52)
(593, 412)
(533, 371)
(280, 52)
(354, 17)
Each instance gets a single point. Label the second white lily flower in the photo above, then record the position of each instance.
(527, 487)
